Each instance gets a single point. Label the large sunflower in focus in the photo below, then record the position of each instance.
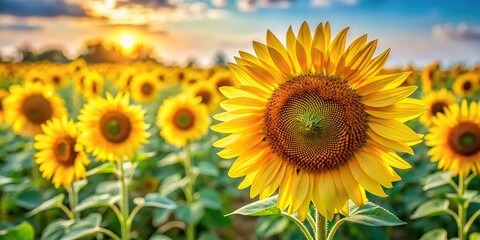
(31, 105)
(112, 129)
(316, 121)
(436, 102)
(182, 119)
(455, 139)
(466, 84)
(60, 154)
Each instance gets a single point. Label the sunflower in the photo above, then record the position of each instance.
(454, 139)
(126, 79)
(182, 119)
(316, 122)
(111, 128)
(436, 102)
(223, 78)
(144, 88)
(31, 105)
(92, 85)
(3, 95)
(466, 84)
(56, 78)
(60, 154)
(429, 75)
(35, 76)
(207, 93)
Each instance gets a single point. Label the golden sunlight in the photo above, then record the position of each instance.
(127, 41)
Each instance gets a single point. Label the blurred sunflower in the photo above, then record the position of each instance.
(126, 79)
(29, 106)
(316, 122)
(436, 102)
(93, 85)
(144, 88)
(182, 119)
(35, 76)
(160, 75)
(192, 78)
(56, 78)
(207, 93)
(3, 95)
(223, 78)
(429, 76)
(112, 129)
(466, 84)
(454, 139)
(60, 154)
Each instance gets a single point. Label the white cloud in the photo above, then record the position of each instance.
(327, 3)
(219, 3)
(461, 31)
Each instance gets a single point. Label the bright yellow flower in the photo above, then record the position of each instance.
(92, 85)
(144, 88)
(3, 95)
(429, 76)
(112, 129)
(466, 84)
(207, 93)
(30, 105)
(436, 102)
(182, 119)
(316, 121)
(454, 139)
(60, 154)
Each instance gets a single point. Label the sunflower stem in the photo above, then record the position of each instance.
(124, 203)
(190, 188)
(335, 228)
(462, 208)
(299, 224)
(321, 226)
(66, 211)
(312, 222)
(72, 194)
(108, 233)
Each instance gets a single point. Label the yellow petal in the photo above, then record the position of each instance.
(388, 97)
(393, 130)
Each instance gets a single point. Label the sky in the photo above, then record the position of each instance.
(416, 31)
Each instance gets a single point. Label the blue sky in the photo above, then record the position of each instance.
(416, 31)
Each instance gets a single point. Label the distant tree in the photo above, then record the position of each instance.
(220, 59)
(98, 51)
(52, 54)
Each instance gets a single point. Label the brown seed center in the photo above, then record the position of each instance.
(146, 89)
(464, 138)
(184, 119)
(438, 107)
(37, 109)
(64, 151)
(315, 122)
(115, 127)
(205, 95)
(467, 86)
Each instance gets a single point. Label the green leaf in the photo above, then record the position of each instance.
(474, 236)
(190, 214)
(49, 204)
(208, 169)
(102, 200)
(170, 159)
(108, 167)
(109, 187)
(469, 196)
(264, 207)
(85, 227)
(22, 231)
(156, 200)
(476, 199)
(171, 184)
(160, 237)
(372, 215)
(5, 180)
(210, 198)
(270, 226)
(436, 180)
(55, 229)
(208, 236)
(435, 234)
(431, 208)
(29, 199)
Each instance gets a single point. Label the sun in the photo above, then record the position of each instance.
(127, 41)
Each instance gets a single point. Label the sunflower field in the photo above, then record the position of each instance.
(307, 138)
